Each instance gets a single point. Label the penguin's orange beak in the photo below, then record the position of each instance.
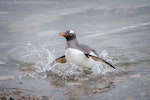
(64, 34)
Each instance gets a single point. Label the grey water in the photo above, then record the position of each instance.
(118, 30)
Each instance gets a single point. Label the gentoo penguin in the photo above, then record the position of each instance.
(79, 54)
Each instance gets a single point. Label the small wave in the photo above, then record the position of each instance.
(118, 29)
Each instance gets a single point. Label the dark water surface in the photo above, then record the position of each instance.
(29, 42)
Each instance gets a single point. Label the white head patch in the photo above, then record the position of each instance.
(71, 31)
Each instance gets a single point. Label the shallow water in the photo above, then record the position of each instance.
(29, 43)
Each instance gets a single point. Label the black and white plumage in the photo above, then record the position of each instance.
(79, 54)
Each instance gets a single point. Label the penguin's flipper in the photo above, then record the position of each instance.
(99, 59)
(61, 59)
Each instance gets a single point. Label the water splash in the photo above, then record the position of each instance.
(74, 72)
(35, 61)
(102, 68)
(65, 71)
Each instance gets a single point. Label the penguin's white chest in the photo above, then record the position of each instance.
(77, 57)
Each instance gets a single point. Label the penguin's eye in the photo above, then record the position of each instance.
(70, 34)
